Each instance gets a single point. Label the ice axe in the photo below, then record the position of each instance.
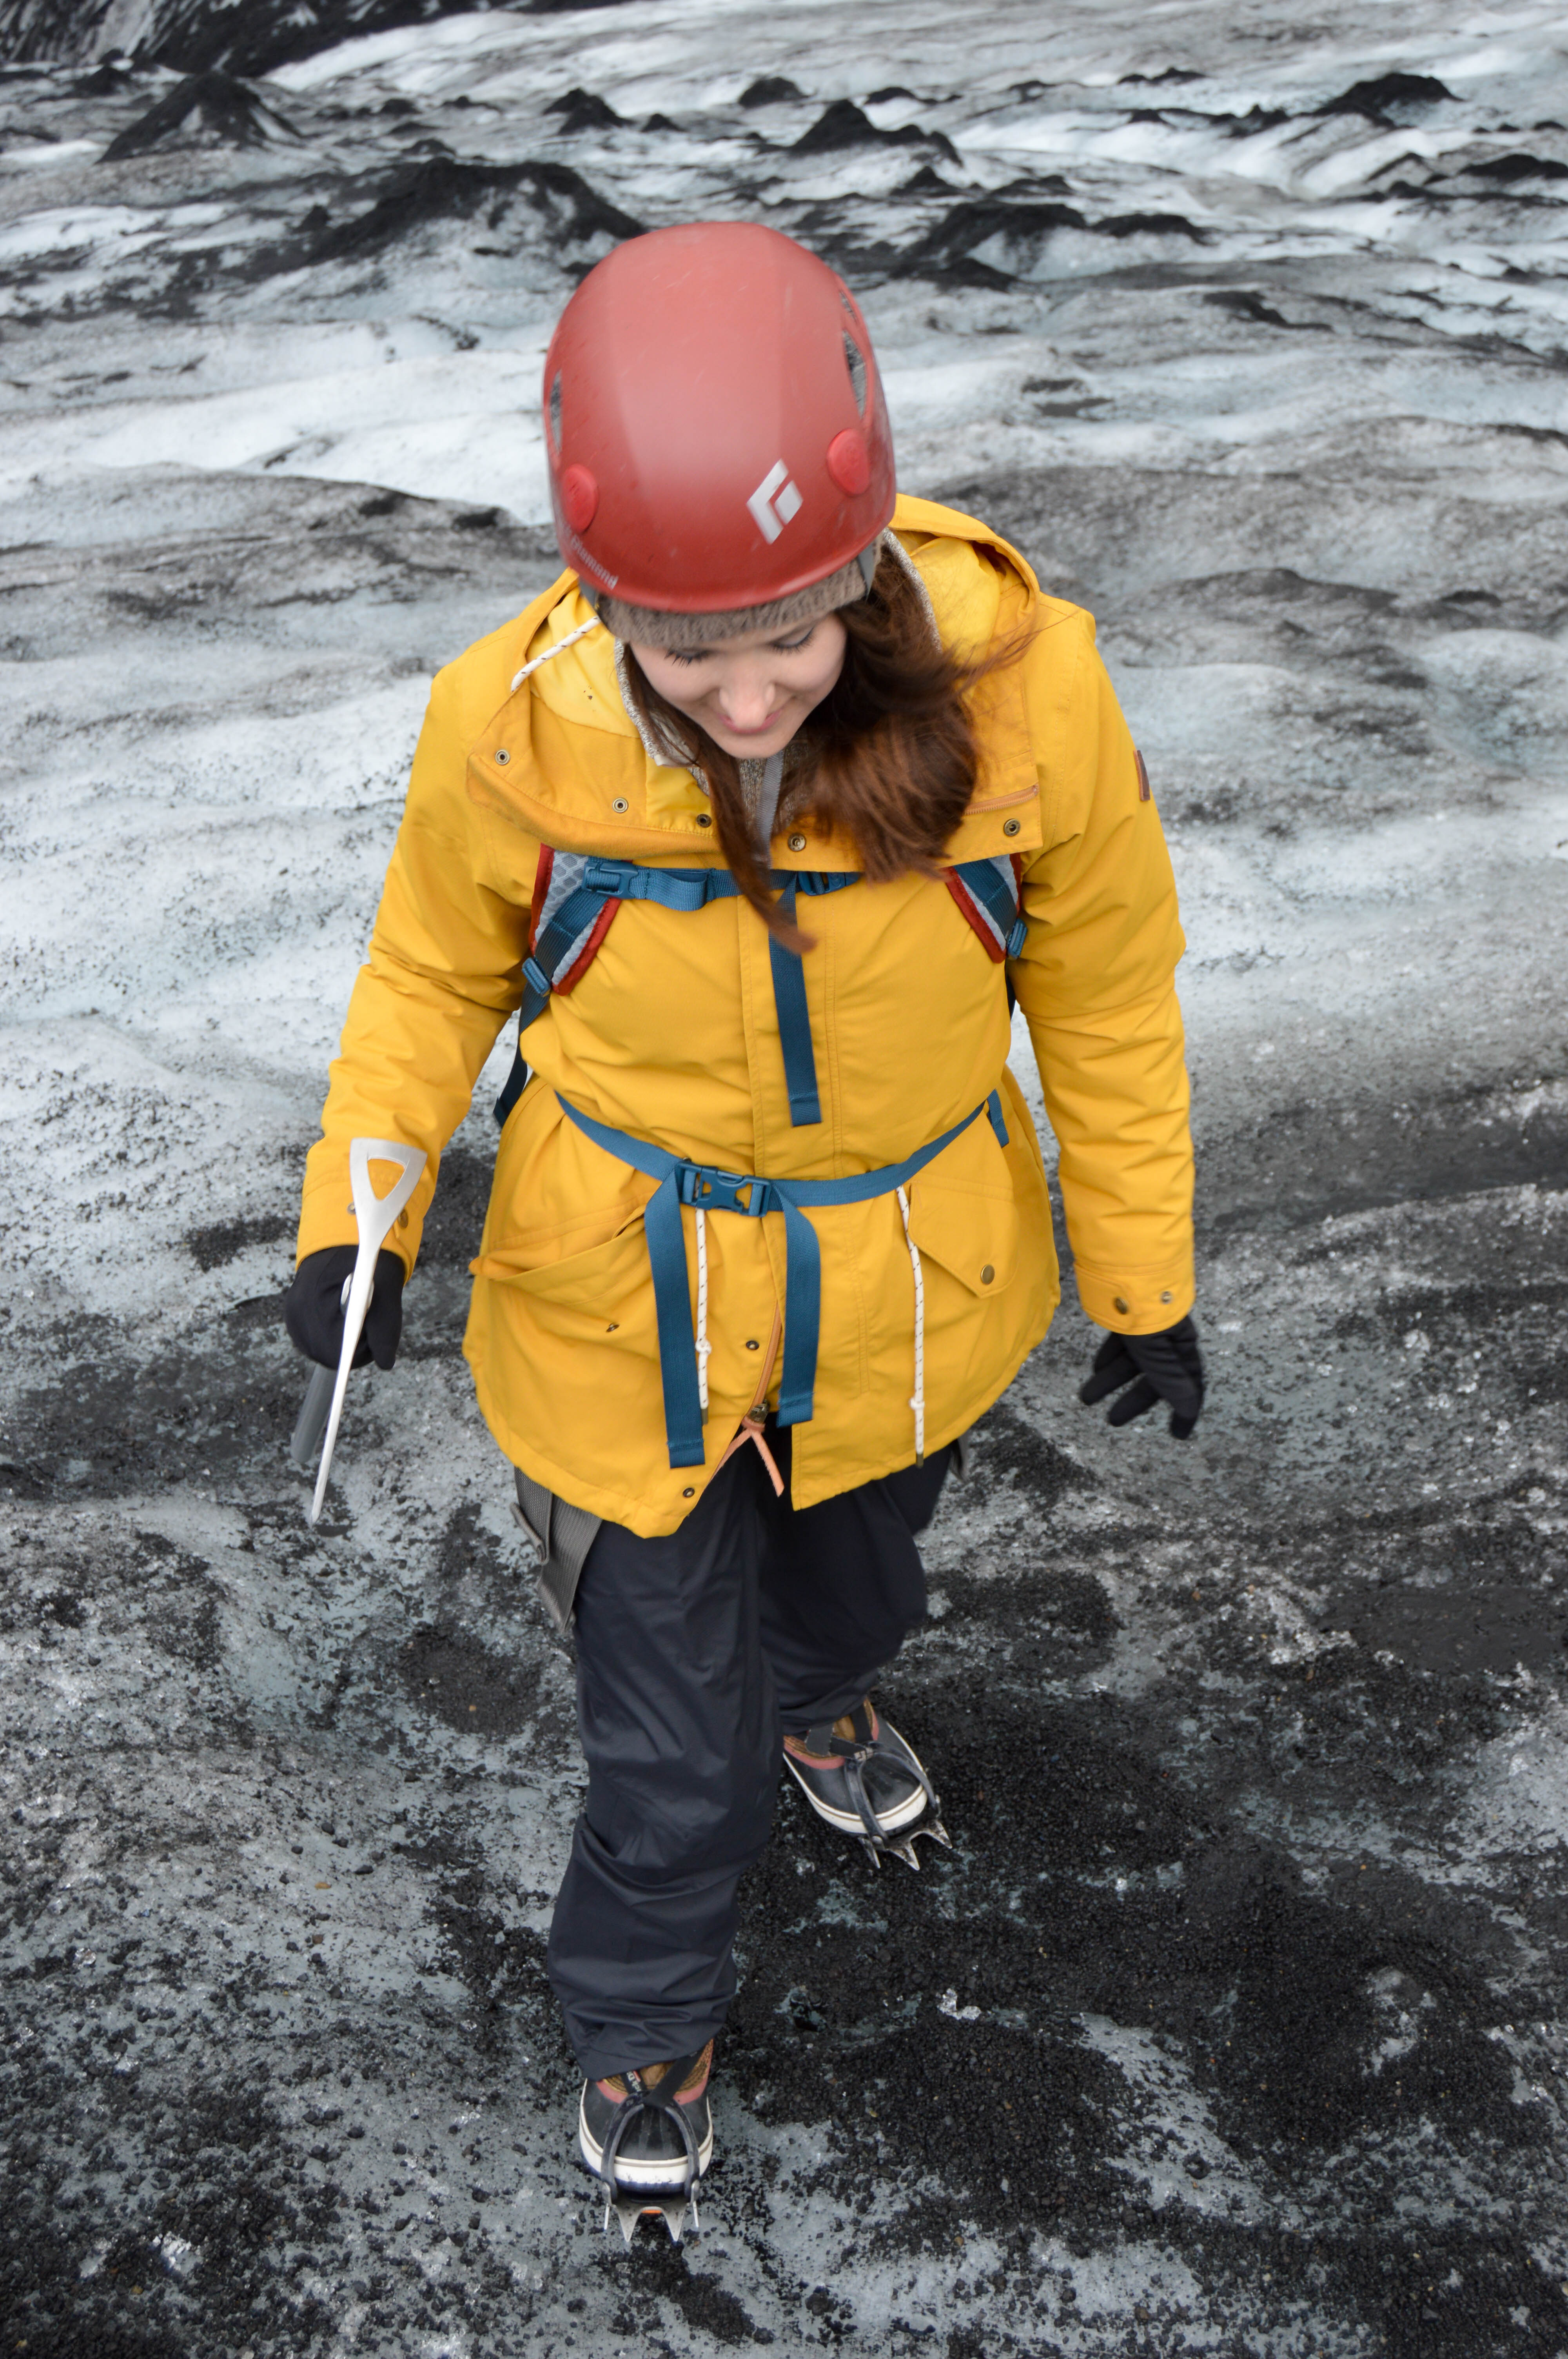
(377, 1216)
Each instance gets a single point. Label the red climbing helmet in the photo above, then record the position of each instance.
(714, 421)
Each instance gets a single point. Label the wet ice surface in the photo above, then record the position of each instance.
(1233, 2022)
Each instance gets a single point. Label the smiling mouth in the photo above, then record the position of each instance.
(731, 730)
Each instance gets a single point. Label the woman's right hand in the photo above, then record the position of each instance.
(313, 1308)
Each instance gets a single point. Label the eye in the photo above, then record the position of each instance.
(680, 655)
(793, 646)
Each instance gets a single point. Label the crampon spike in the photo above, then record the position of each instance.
(905, 1850)
(676, 2216)
(673, 2210)
(937, 1831)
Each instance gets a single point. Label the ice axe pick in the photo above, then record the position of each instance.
(377, 1216)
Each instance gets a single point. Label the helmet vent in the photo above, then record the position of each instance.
(556, 413)
(857, 362)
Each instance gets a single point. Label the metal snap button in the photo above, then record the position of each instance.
(1120, 1305)
(1010, 826)
(703, 819)
(987, 1275)
(753, 1347)
(1167, 1296)
(620, 804)
(690, 1492)
(797, 843)
(502, 755)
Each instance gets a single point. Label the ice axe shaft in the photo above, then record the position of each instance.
(311, 1423)
(314, 1411)
(377, 1216)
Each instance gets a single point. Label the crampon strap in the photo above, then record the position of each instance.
(638, 2095)
(854, 1752)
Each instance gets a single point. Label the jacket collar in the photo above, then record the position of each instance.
(564, 759)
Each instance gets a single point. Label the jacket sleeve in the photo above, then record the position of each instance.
(443, 969)
(1096, 982)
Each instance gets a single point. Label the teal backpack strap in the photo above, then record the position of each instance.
(585, 893)
(987, 893)
(789, 990)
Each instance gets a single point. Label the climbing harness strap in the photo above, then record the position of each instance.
(709, 1190)
(582, 892)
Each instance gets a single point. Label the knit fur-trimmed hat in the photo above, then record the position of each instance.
(657, 626)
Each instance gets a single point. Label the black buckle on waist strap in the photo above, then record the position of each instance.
(721, 1191)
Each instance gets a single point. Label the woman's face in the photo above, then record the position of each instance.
(752, 693)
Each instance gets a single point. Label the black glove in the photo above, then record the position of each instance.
(1167, 1366)
(313, 1308)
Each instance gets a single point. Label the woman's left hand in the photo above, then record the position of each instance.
(1167, 1366)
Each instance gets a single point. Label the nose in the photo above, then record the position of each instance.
(748, 699)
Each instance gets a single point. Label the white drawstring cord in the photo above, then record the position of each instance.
(917, 1402)
(703, 1346)
(581, 632)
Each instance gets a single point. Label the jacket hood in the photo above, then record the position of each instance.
(562, 758)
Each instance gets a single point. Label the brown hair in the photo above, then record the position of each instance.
(892, 747)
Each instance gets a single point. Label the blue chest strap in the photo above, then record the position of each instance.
(605, 882)
(712, 1190)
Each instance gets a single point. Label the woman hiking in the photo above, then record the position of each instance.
(758, 819)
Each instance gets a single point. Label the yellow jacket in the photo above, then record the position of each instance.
(671, 1034)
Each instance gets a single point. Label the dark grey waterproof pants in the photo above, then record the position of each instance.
(696, 1652)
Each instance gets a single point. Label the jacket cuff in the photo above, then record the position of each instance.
(1136, 1302)
(327, 1218)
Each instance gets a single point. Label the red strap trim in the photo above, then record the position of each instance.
(541, 886)
(572, 975)
(996, 951)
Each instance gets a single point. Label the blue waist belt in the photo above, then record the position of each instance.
(711, 1191)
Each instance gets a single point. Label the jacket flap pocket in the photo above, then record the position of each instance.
(600, 1277)
(971, 1234)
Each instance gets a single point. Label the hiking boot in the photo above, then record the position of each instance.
(860, 1776)
(647, 2134)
